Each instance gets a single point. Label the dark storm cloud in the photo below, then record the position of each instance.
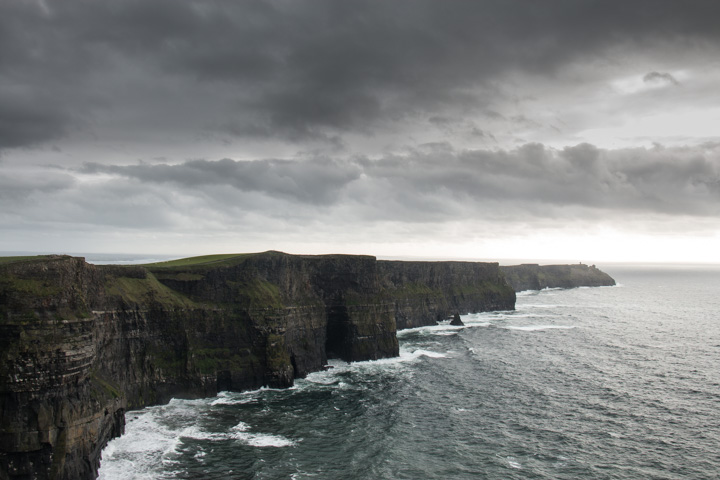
(438, 183)
(660, 77)
(25, 121)
(299, 69)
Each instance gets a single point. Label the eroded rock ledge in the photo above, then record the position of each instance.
(81, 344)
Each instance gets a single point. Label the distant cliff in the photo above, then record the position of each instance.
(425, 292)
(536, 277)
(80, 343)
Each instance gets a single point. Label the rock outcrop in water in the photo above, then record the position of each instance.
(80, 343)
(531, 276)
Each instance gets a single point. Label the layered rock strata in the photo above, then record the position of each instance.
(80, 343)
(427, 292)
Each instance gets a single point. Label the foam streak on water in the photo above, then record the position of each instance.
(601, 383)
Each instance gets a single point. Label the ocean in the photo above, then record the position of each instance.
(591, 383)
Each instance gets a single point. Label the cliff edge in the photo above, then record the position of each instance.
(80, 344)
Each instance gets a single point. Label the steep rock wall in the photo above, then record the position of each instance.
(424, 293)
(531, 276)
(80, 343)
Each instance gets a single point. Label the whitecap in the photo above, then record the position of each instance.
(440, 329)
(426, 353)
(513, 464)
(196, 433)
(477, 324)
(406, 355)
(230, 398)
(526, 293)
(200, 454)
(247, 396)
(533, 328)
(240, 432)
(539, 305)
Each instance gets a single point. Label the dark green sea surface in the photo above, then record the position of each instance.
(592, 383)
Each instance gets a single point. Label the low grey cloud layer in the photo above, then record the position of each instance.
(654, 181)
(315, 119)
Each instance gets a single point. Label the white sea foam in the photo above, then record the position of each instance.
(154, 438)
(425, 353)
(200, 454)
(228, 398)
(527, 293)
(514, 464)
(331, 378)
(440, 329)
(240, 432)
(521, 314)
(247, 396)
(539, 305)
(145, 449)
(532, 328)
(477, 324)
(319, 379)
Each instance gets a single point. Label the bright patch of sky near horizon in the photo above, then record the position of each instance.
(577, 130)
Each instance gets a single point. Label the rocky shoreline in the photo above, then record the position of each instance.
(82, 343)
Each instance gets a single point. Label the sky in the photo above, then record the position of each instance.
(563, 129)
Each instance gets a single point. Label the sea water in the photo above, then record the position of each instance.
(591, 383)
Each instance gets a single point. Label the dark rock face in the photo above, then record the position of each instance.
(80, 344)
(427, 292)
(457, 321)
(57, 410)
(531, 276)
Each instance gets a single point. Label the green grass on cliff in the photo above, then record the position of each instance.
(257, 293)
(201, 261)
(22, 258)
(141, 290)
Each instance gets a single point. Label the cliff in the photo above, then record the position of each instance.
(80, 344)
(536, 277)
(427, 292)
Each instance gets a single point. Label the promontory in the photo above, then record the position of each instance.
(80, 344)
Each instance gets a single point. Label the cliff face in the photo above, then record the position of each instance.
(80, 344)
(536, 277)
(56, 411)
(426, 292)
